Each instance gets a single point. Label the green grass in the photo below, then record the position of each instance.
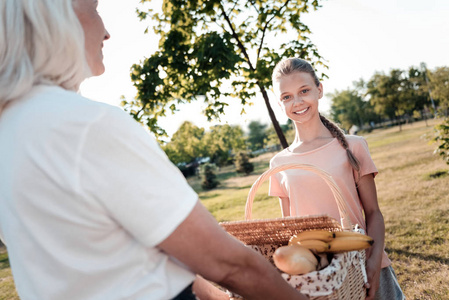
(413, 193)
(7, 289)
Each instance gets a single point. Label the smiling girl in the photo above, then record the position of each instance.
(321, 143)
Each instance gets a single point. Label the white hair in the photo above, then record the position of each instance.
(41, 42)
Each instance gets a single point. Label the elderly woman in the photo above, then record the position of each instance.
(90, 207)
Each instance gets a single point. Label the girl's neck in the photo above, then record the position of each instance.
(311, 131)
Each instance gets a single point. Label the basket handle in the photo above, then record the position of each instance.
(341, 203)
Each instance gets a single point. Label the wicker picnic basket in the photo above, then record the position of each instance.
(343, 279)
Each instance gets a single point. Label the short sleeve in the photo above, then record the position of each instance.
(123, 168)
(359, 147)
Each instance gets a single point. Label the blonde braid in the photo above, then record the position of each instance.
(339, 135)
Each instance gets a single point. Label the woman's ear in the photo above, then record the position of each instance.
(320, 89)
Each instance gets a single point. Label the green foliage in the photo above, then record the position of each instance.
(222, 141)
(386, 93)
(394, 96)
(348, 108)
(271, 141)
(257, 135)
(209, 178)
(439, 82)
(190, 142)
(442, 138)
(215, 49)
(186, 144)
(416, 89)
(242, 163)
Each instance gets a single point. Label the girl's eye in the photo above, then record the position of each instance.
(286, 98)
(304, 91)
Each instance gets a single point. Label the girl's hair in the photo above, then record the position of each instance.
(41, 42)
(288, 66)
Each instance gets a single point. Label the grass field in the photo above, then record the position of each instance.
(413, 192)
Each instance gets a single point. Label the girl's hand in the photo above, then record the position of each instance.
(375, 228)
(373, 273)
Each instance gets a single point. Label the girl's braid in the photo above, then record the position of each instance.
(339, 135)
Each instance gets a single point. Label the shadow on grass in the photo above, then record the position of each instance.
(4, 261)
(231, 187)
(226, 175)
(210, 196)
(436, 174)
(421, 256)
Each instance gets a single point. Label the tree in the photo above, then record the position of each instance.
(191, 142)
(257, 135)
(429, 89)
(439, 81)
(186, 144)
(223, 140)
(212, 49)
(416, 90)
(387, 95)
(348, 108)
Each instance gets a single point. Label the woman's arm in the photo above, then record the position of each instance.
(285, 206)
(200, 243)
(375, 228)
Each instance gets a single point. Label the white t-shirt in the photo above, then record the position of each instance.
(85, 196)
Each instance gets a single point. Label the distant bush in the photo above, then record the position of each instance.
(242, 163)
(442, 138)
(209, 178)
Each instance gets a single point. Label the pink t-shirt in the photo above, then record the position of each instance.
(308, 192)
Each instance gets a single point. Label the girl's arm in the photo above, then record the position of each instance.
(375, 228)
(285, 206)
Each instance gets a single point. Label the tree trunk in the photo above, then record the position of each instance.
(275, 122)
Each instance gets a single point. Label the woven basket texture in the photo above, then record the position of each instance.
(277, 231)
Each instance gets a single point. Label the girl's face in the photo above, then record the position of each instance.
(94, 33)
(298, 96)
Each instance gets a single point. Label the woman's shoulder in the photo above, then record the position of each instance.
(69, 107)
(59, 96)
(63, 99)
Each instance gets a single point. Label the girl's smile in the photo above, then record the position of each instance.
(301, 112)
(299, 95)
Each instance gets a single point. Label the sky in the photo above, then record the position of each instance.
(355, 37)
